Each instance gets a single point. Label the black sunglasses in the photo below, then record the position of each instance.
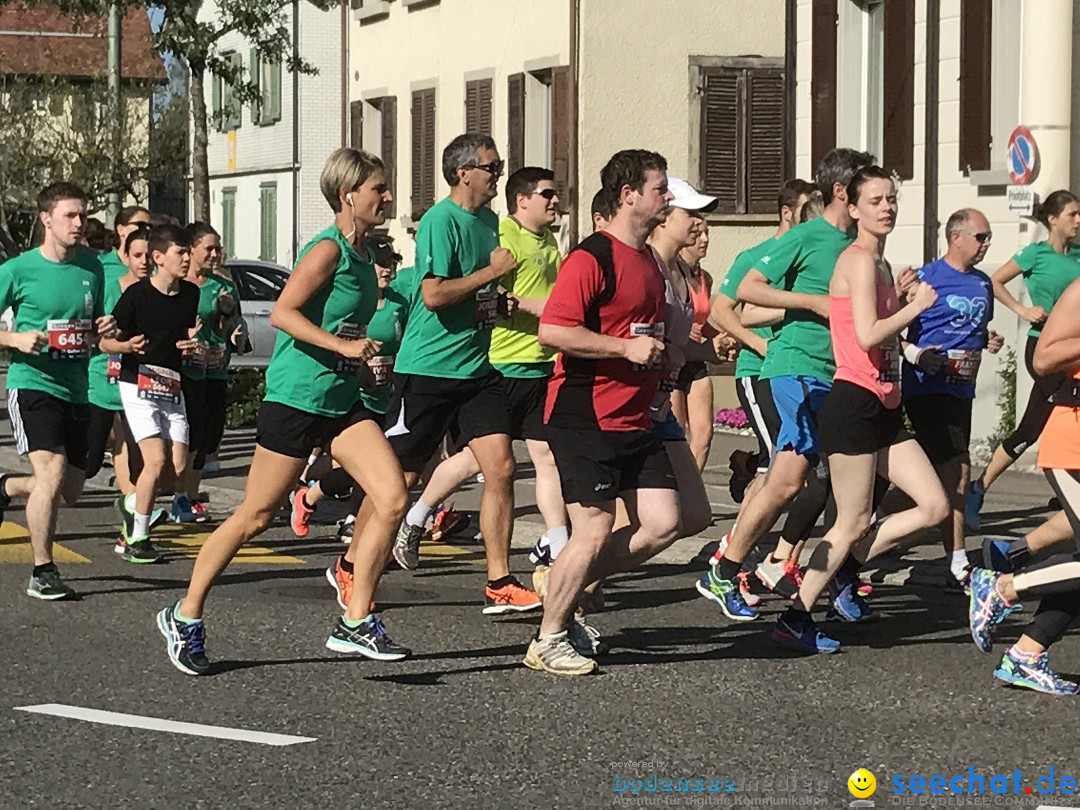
(546, 193)
(495, 167)
(980, 237)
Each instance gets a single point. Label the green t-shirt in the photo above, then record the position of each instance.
(112, 266)
(103, 390)
(219, 370)
(452, 342)
(61, 299)
(387, 326)
(802, 260)
(312, 379)
(194, 367)
(513, 340)
(747, 361)
(1047, 273)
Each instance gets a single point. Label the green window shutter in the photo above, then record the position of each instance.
(256, 78)
(215, 106)
(234, 108)
(228, 222)
(275, 91)
(268, 223)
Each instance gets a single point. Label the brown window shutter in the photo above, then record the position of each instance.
(898, 124)
(388, 147)
(515, 107)
(472, 106)
(822, 78)
(721, 141)
(484, 102)
(561, 117)
(356, 124)
(428, 195)
(417, 187)
(766, 151)
(975, 96)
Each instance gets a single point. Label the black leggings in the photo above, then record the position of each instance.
(216, 395)
(196, 407)
(1038, 406)
(1055, 580)
(814, 500)
(99, 430)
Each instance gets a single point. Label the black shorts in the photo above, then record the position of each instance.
(690, 373)
(424, 409)
(755, 397)
(41, 421)
(525, 397)
(295, 433)
(196, 409)
(942, 425)
(596, 465)
(852, 421)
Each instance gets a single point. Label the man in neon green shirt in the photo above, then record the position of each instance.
(56, 292)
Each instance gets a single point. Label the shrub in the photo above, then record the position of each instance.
(247, 386)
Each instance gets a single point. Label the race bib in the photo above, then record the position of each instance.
(112, 369)
(889, 371)
(69, 339)
(350, 331)
(962, 365)
(215, 356)
(196, 358)
(486, 309)
(158, 384)
(382, 369)
(655, 330)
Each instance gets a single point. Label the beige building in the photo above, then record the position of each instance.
(935, 88)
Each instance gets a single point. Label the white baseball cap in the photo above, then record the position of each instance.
(687, 197)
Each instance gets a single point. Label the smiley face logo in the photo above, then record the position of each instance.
(862, 784)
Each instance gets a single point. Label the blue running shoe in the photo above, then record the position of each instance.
(995, 553)
(725, 593)
(1018, 669)
(181, 509)
(987, 608)
(847, 605)
(804, 636)
(973, 504)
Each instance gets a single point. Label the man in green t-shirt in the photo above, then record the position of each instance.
(443, 380)
(56, 293)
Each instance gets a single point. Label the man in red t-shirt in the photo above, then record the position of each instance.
(606, 315)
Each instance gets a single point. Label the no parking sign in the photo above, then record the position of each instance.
(1023, 157)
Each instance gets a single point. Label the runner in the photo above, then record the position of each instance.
(1056, 580)
(606, 316)
(944, 351)
(313, 397)
(157, 319)
(443, 377)
(603, 208)
(1048, 268)
(860, 423)
(55, 292)
(114, 263)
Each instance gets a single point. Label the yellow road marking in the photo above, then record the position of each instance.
(439, 549)
(187, 541)
(15, 547)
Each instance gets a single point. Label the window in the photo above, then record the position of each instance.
(378, 129)
(1005, 83)
(260, 283)
(268, 222)
(266, 109)
(539, 117)
(225, 104)
(423, 151)
(478, 106)
(228, 222)
(976, 79)
(744, 156)
(860, 75)
(515, 122)
(356, 124)
(898, 110)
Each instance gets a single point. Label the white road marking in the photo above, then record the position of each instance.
(157, 724)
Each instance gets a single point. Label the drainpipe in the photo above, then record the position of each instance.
(296, 134)
(931, 224)
(575, 67)
(791, 44)
(344, 72)
(1046, 95)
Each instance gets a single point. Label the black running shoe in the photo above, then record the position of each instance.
(369, 640)
(48, 586)
(345, 530)
(140, 551)
(186, 642)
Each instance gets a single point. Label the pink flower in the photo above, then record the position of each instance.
(732, 417)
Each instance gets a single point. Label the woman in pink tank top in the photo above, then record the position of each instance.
(860, 425)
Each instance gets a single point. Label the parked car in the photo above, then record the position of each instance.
(259, 284)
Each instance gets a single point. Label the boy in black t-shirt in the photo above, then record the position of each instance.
(157, 320)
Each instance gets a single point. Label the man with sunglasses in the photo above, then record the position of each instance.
(943, 353)
(443, 379)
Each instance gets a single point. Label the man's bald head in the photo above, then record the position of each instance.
(968, 235)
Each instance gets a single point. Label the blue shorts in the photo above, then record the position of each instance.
(668, 430)
(798, 400)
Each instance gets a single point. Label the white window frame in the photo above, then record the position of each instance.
(860, 75)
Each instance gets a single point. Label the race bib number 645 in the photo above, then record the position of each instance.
(69, 339)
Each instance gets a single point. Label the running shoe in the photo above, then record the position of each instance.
(369, 639)
(743, 466)
(751, 598)
(847, 605)
(301, 513)
(995, 554)
(181, 510)
(555, 654)
(539, 581)
(140, 550)
(342, 581)
(593, 601)
(211, 465)
(541, 552)
(721, 547)
(863, 588)
(157, 517)
(127, 520)
(726, 594)
(584, 638)
(803, 635)
(775, 575)
(1032, 672)
(407, 546)
(954, 584)
(794, 572)
(987, 608)
(345, 530)
(202, 514)
(48, 586)
(447, 521)
(973, 504)
(513, 597)
(186, 641)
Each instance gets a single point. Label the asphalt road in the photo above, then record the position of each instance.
(683, 694)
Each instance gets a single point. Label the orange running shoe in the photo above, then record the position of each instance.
(301, 512)
(513, 597)
(447, 521)
(342, 581)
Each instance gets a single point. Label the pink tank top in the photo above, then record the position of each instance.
(699, 294)
(876, 370)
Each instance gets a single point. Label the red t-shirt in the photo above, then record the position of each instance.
(605, 394)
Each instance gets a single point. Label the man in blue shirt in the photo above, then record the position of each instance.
(945, 345)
